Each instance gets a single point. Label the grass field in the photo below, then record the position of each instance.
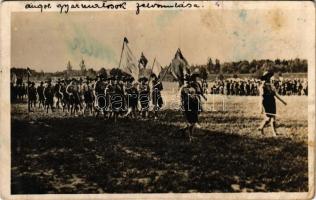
(56, 154)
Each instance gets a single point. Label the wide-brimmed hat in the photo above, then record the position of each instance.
(111, 78)
(267, 75)
(196, 72)
(131, 79)
(153, 76)
(101, 76)
(143, 79)
(187, 77)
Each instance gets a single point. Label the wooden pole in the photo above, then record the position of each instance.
(28, 86)
(152, 67)
(280, 99)
(165, 73)
(121, 54)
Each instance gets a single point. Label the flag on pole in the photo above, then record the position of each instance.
(129, 62)
(143, 61)
(14, 78)
(157, 68)
(28, 71)
(179, 67)
(125, 40)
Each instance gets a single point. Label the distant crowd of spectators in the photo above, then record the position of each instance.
(250, 87)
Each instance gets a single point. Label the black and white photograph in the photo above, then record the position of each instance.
(159, 98)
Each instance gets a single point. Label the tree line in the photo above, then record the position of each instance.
(245, 67)
(213, 66)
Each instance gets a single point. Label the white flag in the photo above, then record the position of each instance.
(129, 63)
(156, 68)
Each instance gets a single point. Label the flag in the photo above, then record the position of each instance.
(156, 68)
(125, 40)
(129, 63)
(143, 60)
(179, 67)
(28, 71)
(14, 78)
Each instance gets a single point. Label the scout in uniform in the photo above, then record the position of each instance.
(73, 92)
(157, 100)
(100, 97)
(57, 93)
(32, 95)
(41, 99)
(65, 98)
(88, 96)
(144, 96)
(191, 94)
(49, 96)
(117, 98)
(268, 94)
(131, 97)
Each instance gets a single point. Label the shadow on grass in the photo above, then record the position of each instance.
(75, 155)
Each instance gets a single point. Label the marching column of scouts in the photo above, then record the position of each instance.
(116, 96)
(109, 97)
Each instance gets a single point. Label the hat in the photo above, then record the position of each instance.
(143, 79)
(110, 78)
(187, 77)
(196, 71)
(131, 79)
(153, 76)
(266, 76)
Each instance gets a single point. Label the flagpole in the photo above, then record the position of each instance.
(151, 71)
(152, 67)
(122, 53)
(28, 87)
(165, 73)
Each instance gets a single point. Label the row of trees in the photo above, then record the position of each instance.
(255, 67)
(245, 67)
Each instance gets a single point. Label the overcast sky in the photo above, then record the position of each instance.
(46, 41)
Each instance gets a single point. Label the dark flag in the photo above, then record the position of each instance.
(125, 40)
(28, 71)
(179, 67)
(143, 61)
